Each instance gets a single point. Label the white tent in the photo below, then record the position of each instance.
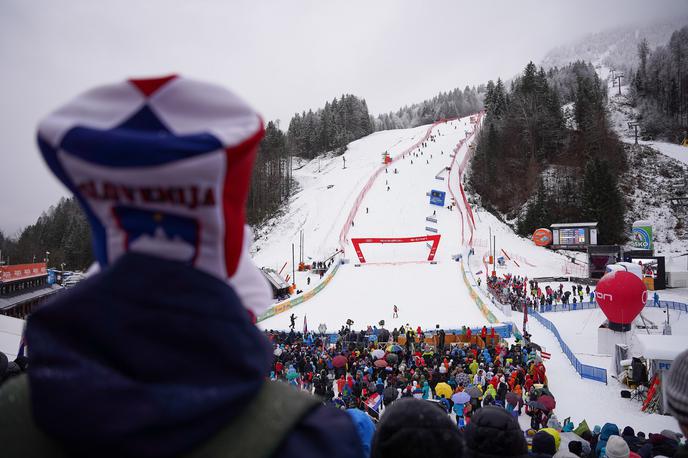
(659, 350)
(10, 335)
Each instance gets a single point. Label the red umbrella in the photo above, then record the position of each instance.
(380, 363)
(548, 402)
(339, 361)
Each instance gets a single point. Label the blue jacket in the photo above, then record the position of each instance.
(151, 358)
(608, 430)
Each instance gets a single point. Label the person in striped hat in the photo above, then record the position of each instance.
(676, 391)
(158, 355)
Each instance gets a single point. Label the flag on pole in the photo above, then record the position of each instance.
(305, 325)
(545, 355)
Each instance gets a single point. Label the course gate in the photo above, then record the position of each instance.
(435, 239)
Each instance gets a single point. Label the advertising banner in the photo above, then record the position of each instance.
(642, 235)
(22, 271)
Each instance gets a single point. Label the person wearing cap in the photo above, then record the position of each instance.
(677, 396)
(158, 355)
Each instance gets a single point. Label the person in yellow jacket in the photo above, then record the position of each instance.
(473, 367)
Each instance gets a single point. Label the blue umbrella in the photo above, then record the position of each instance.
(461, 397)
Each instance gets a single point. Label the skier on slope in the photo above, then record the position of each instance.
(292, 320)
(395, 314)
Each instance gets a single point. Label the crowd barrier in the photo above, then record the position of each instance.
(584, 370)
(671, 305)
(484, 309)
(290, 303)
(462, 167)
(504, 330)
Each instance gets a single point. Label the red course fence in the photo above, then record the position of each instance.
(361, 195)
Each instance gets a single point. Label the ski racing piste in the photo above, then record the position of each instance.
(288, 304)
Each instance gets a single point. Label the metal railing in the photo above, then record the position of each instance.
(584, 370)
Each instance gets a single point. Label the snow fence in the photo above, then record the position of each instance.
(584, 370)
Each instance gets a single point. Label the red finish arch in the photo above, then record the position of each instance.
(435, 239)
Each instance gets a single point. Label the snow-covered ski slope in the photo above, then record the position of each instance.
(429, 294)
(394, 274)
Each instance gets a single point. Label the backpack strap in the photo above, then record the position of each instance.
(19, 435)
(262, 427)
(257, 432)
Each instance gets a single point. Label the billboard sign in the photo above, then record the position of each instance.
(641, 238)
(22, 271)
(437, 197)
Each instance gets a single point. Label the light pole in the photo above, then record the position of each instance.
(47, 258)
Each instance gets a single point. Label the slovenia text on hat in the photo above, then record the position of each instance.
(162, 167)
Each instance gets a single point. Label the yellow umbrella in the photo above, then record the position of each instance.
(443, 389)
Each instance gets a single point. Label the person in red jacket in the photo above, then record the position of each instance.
(483, 332)
(469, 333)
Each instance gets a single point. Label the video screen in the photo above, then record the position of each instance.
(648, 266)
(572, 236)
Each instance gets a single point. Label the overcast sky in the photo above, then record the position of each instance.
(281, 56)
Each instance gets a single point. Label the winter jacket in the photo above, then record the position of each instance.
(608, 430)
(103, 381)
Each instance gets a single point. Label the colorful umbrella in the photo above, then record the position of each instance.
(392, 358)
(548, 402)
(377, 354)
(536, 405)
(394, 348)
(443, 389)
(339, 361)
(512, 398)
(380, 363)
(474, 392)
(461, 397)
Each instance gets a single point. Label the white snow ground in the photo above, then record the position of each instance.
(429, 294)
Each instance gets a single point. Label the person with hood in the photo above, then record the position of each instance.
(411, 428)
(426, 390)
(493, 432)
(677, 397)
(161, 168)
(608, 430)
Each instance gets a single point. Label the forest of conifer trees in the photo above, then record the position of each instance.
(529, 165)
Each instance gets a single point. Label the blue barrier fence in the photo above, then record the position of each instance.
(584, 370)
(593, 305)
(504, 330)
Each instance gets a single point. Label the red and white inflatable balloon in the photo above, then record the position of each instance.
(621, 296)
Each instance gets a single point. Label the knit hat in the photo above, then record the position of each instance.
(677, 388)
(576, 447)
(628, 431)
(544, 443)
(669, 435)
(493, 432)
(412, 427)
(162, 167)
(617, 448)
(555, 434)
